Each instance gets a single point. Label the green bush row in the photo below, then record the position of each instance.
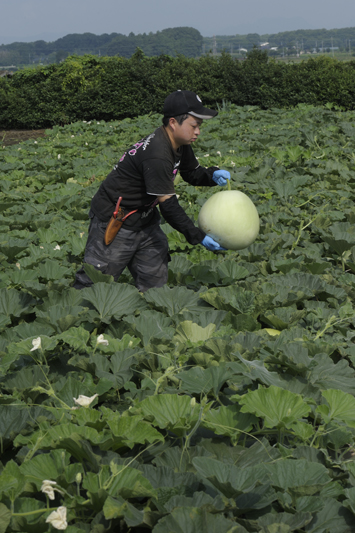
(111, 88)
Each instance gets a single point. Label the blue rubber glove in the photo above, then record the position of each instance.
(221, 176)
(211, 244)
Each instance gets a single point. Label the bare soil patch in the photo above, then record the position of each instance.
(8, 137)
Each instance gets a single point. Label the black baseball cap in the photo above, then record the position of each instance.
(182, 102)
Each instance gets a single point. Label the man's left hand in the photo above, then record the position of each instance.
(221, 176)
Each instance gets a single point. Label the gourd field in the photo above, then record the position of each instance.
(221, 402)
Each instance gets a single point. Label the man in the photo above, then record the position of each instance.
(144, 179)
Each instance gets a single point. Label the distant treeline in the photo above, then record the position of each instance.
(172, 41)
(306, 40)
(88, 87)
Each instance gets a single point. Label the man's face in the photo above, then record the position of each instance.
(187, 132)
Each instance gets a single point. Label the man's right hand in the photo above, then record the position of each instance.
(211, 244)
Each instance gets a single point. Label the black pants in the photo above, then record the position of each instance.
(144, 252)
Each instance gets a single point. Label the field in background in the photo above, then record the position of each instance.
(196, 418)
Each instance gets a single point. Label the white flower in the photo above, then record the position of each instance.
(84, 401)
(57, 247)
(35, 142)
(72, 136)
(219, 153)
(47, 488)
(58, 156)
(18, 266)
(232, 163)
(81, 234)
(86, 144)
(206, 155)
(36, 343)
(101, 340)
(58, 518)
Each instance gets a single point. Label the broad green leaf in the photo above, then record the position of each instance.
(62, 318)
(293, 356)
(69, 389)
(333, 517)
(15, 303)
(205, 317)
(12, 247)
(119, 508)
(229, 479)
(188, 331)
(128, 483)
(114, 345)
(26, 346)
(199, 499)
(327, 375)
(131, 430)
(31, 519)
(52, 270)
(76, 338)
(261, 497)
(76, 244)
(31, 330)
(96, 276)
(179, 267)
(197, 380)
(4, 321)
(5, 517)
(169, 411)
(15, 418)
(118, 370)
(229, 421)
(349, 503)
(304, 477)
(12, 481)
(256, 370)
(341, 406)
(75, 439)
(233, 298)
(175, 300)
(151, 325)
(231, 271)
(282, 317)
(259, 453)
(242, 322)
(9, 483)
(26, 378)
(114, 507)
(39, 468)
(18, 277)
(169, 479)
(113, 300)
(195, 520)
(202, 275)
(278, 407)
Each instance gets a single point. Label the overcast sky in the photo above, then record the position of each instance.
(29, 20)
